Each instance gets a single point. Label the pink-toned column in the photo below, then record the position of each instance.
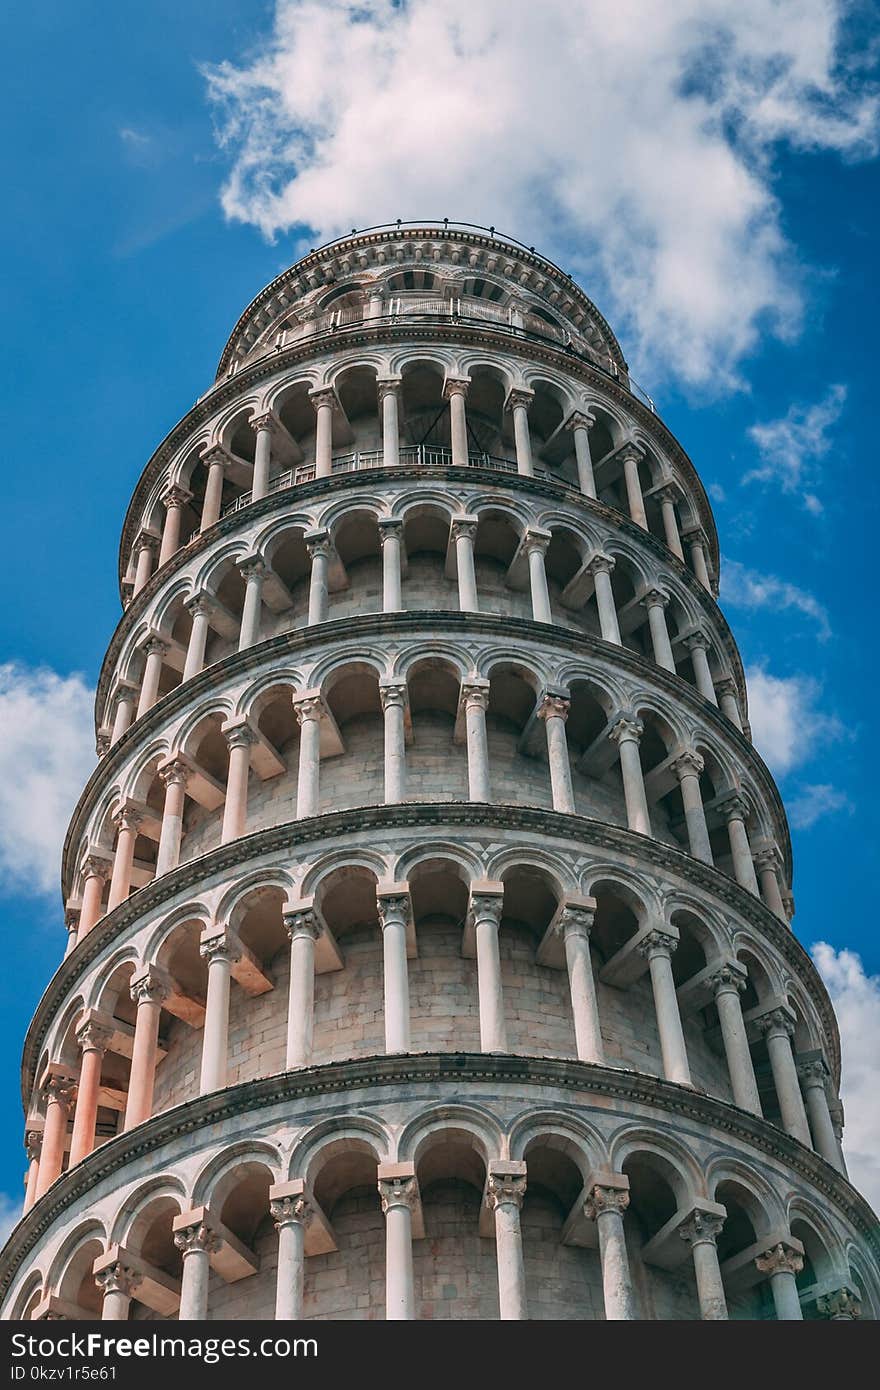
(199, 608)
(96, 872)
(154, 653)
(33, 1143)
(93, 1038)
(303, 929)
(58, 1090)
(253, 572)
(174, 501)
(145, 550)
(221, 948)
(149, 989)
(174, 773)
(125, 700)
(291, 1216)
(216, 460)
(399, 1195)
(240, 740)
(126, 820)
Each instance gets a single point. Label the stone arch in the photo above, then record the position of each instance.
(70, 1274)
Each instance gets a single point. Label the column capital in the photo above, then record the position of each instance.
(124, 691)
(463, 528)
(199, 605)
(726, 685)
(33, 1144)
(553, 707)
(485, 901)
(93, 1033)
(701, 1227)
(150, 985)
(626, 726)
(238, 735)
(574, 917)
(174, 770)
(393, 694)
(219, 943)
(388, 386)
(505, 1185)
(155, 646)
(58, 1084)
(600, 564)
(291, 1211)
(731, 978)
(324, 395)
(308, 707)
(733, 807)
(455, 386)
(687, 764)
(657, 943)
(519, 397)
(631, 452)
(266, 420)
(696, 639)
(317, 542)
(398, 1186)
(475, 693)
(251, 567)
(694, 535)
(767, 857)
(666, 492)
(302, 919)
(118, 1278)
(127, 817)
(786, 1257)
(813, 1071)
(536, 540)
(102, 744)
(146, 540)
(580, 420)
(776, 1023)
(654, 598)
(176, 496)
(97, 865)
(606, 1192)
(390, 528)
(393, 904)
(195, 1235)
(841, 1304)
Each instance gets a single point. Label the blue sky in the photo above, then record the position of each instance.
(726, 231)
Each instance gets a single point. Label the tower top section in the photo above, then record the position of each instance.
(428, 270)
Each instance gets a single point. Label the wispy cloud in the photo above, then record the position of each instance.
(812, 803)
(792, 448)
(856, 999)
(10, 1215)
(635, 142)
(788, 727)
(747, 588)
(46, 753)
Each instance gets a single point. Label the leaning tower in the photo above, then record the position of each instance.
(429, 908)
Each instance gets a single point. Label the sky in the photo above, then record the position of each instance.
(707, 169)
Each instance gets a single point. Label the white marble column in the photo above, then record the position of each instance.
(240, 739)
(814, 1076)
(393, 697)
(475, 698)
(535, 543)
(607, 1200)
(253, 572)
(154, 652)
(782, 1264)
(455, 391)
(125, 700)
(768, 863)
(727, 985)
(149, 989)
(575, 924)
(399, 1196)
(389, 397)
(33, 1143)
(291, 1216)
(126, 820)
(553, 710)
(666, 498)
(778, 1029)
(308, 712)
(391, 540)
(216, 460)
(629, 458)
(728, 700)
(600, 567)
(657, 947)
(145, 549)
(484, 912)
(95, 872)
(264, 427)
(505, 1193)
(118, 1284)
(463, 531)
(688, 767)
(303, 929)
(734, 810)
(324, 401)
(221, 948)
(393, 906)
(701, 1232)
(174, 501)
(318, 546)
(626, 732)
(698, 645)
(518, 403)
(196, 1243)
(580, 424)
(199, 608)
(696, 543)
(656, 602)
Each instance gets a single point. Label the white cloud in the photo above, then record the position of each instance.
(633, 141)
(746, 588)
(792, 447)
(10, 1215)
(856, 1000)
(814, 801)
(787, 726)
(46, 754)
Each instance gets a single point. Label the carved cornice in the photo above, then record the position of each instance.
(428, 1070)
(360, 823)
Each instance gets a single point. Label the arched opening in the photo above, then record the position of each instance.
(152, 1237)
(592, 755)
(241, 1202)
(349, 1006)
(747, 1294)
(537, 999)
(356, 542)
(454, 1270)
(444, 999)
(656, 1192)
(426, 543)
(437, 767)
(203, 812)
(357, 777)
(495, 546)
(348, 1283)
(517, 747)
(563, 1276)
